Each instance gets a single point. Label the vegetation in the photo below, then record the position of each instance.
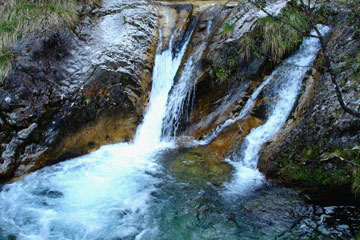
(269, 39)
(227, 30)
(314, 168)
(222, 73)
(276, 39)
(351, 158)
(18, 17)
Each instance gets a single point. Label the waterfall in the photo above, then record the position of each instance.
(181, 97)
(110, 193)
(179, 101)
(102, 195)
(165, 67)
(286, 81)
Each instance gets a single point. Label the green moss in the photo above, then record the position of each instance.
(306, 169)
(307, 175)
(311, 152)
(231, 61)
(18, 17)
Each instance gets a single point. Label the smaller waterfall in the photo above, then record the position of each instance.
(179, 102)
(287, 82)
(181, 97)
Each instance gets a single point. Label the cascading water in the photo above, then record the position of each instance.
(286, 81)
(165, 67)
(178, 102)
(125, 191)
(181, 98)
(294, 66)
(103, 195)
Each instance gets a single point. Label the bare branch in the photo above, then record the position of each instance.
(333, 76)
(330, 156)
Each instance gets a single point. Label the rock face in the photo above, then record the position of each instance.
(71, 91)
(319, 126)
(174, 20)
(223, 78)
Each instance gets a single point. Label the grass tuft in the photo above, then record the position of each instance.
(18, 17)
(272, 38)
(227, 30)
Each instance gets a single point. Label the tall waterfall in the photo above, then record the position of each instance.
(103, 195)
(286, 83)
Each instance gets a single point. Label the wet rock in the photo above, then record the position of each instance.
(71, 87)
(11, 148)
(29, 160)
(25, 133)
(224, 78)
(174, 19)
(8, 157)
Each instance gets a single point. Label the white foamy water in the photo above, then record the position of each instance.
(165, 68)
(179, 101)
(102, 195)
(287, 81)
(82, 198)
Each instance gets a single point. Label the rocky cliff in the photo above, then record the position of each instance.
(72, 90)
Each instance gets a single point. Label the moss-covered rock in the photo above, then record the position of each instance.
(199, 166)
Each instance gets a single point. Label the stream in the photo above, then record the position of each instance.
(129, 190)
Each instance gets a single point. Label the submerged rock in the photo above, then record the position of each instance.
(199, 166)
